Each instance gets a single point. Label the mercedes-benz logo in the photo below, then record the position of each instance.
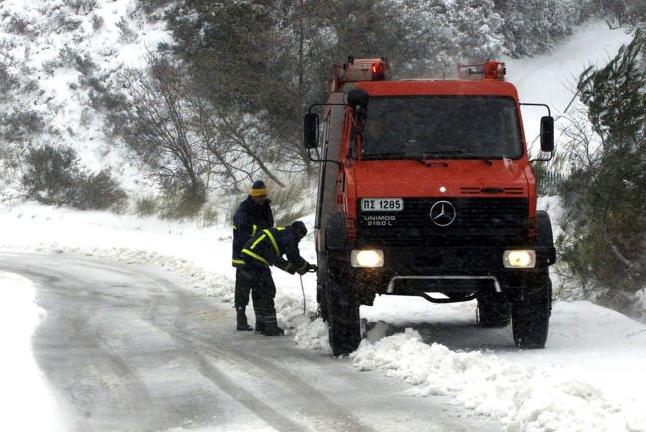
(443, 213)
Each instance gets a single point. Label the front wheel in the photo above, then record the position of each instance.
(342, 310)
(531, 312)
(493, 310)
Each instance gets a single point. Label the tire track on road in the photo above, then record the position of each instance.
(317, 408)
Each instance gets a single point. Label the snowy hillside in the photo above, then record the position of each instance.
(60, 55)
(58, 59)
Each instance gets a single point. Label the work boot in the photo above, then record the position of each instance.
(260, 324)
(260, 320)
(273, 330)
(271, 327)
(241, 319)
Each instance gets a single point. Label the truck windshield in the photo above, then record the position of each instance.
(441, 127)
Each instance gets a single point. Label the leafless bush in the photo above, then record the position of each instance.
(288, 204)
(154, 124)
(51, 174)
(69, 22)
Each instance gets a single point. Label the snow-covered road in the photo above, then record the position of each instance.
(590, 377)
(129, 347)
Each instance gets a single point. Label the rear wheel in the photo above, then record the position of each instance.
(531, 312)
(342, 310)
(493, 310)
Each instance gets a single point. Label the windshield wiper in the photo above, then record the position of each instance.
(394, 155)
(461, 153)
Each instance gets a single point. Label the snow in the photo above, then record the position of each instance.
(25, 398)
(551, 78)
(589, 377)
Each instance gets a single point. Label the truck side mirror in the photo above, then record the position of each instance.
(547, 134)
(310, 130)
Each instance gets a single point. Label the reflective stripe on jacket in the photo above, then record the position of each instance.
(269, 246)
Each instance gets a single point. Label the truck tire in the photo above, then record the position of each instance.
(343, 318)
(544, 228)
(493, 311)
(335, 232)
(531, 312)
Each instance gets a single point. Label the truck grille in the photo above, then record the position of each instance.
(478, 221)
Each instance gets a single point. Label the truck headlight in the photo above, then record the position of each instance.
(519, 259)
(367, 258)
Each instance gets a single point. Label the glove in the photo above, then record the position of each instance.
(308, 268)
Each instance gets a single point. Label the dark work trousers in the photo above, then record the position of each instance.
(243, 288)
(257, 278)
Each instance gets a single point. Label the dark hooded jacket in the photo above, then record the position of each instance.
(268, 247)
(248, 220)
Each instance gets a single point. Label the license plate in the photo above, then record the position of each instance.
(382, 204)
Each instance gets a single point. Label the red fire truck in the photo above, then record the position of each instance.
(426, 189)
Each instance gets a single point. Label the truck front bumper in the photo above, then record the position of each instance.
(410, 270)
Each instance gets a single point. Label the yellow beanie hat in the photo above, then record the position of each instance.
(258, 189)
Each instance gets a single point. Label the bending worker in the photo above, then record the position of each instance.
(252, 216)
(258, 254)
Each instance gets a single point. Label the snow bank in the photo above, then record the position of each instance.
(26, 401)
(202, 255)
(590, 376)
(523, 398)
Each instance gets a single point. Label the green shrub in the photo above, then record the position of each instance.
(54, 176)
(183, 204)
(100, 192)
(51, 174)
(146, 206)
(209, 216)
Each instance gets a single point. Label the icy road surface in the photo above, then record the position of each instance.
(126, 347)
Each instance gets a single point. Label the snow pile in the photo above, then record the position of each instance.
(202, 255)
(312, 334)
(25, 399)
(524, 398)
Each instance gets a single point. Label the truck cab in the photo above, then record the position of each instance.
(426, 189)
